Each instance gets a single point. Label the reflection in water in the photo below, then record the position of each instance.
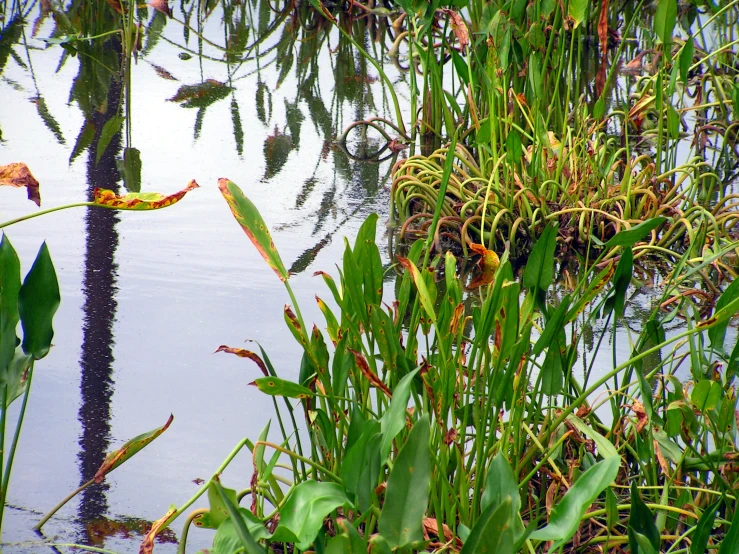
(99, 288)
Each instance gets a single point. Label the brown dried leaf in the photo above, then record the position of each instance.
(161, 6)
(488, 264)
(458, 27)
(244, 353)
(641, 415)
(661, 458)
(18, 175)
(147, 545)
(431, 527)
(603, 27)
(367, 372)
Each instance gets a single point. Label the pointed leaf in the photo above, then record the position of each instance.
(274, 386)
(565, 518)
(664, 20)
(421, 287)
(493, 532)
(301, 517)
(38, 300)
(393, 420)
(630, 237)
(641, 522)
(248, 543)
(247, 215)
(128, 450)
(539, 272)
(140, 201)
(110, 129)
(704, 528)
(407, 494)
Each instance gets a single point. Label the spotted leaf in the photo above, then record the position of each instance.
(140, 200)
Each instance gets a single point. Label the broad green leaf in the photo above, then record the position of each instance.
(227, 541)
(539, 272)
(706, 395)
(605, 447)
(218, 510)
(641, 521)
(483, 133)
(704, 528)
(407, 494)
(578, 9)
(493, 532)
(378, 545)
(128, 450)
(38, 300)
(501, 486)
(140, 201)
(629, 237)
(247, 215)
(110, 129)
(357, 458)
(274, 386)
(565, 518)
(514, 150)
(248, 542)
(393, 420)
(664, 20)
(301, 517)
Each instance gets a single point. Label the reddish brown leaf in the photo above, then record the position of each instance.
(661, 459)
(161, 6)
(147, 545)
(140, 201)
(457, 318)
(603, 28)
(431, 527)
(367, 372)
(244, 353)
(18, 175)
(458, 27)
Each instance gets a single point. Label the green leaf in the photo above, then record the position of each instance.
(357, 456)
(301, 517)
(629, 237)
(706, 395)
(393, 420)
(578, 9)
(605, 447)
(514, 150)
(704, 528)
(730, 544)
(274, 386)
(686, 59)
(483, 134)
(407, 494)
(110, 129)
(10, 284)
(248, 543)
(493, 532)
(423, 292)
(129, 450)
(717, 333)
(565, 518)
(247, 215)
(218, 509)
(14, 376)
(641, 521)
(555, 325)
(227, 541)
(132, 169)
(664, 20)
(539, 272)
(621, 280)
(38, 300)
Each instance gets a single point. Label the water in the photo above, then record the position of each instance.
(148, 297)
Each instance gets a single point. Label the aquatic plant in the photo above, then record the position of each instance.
(446, 423)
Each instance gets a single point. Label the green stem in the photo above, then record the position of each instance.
(59, 506)
(47, 211)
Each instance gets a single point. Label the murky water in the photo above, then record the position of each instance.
(148, 297)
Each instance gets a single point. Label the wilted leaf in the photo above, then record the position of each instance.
(247, 215)
(374, 380)
(459, 28)
(161, 6)
(147, 545)
(128, 450)
(603, 28)
(140, 201)
(18, 175)
(488, 264)
(243, 353)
